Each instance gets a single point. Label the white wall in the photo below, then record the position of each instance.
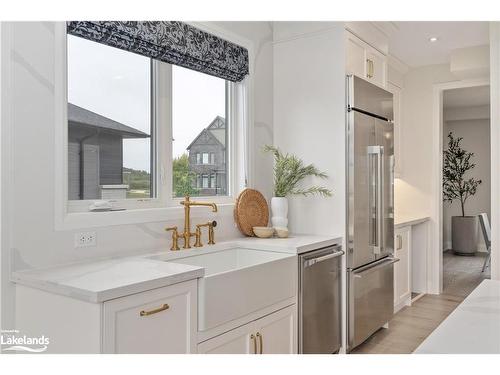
(34, 240)
(476, 139)
(309, 121)
(413, 192)
(495, 147)
(309, 116)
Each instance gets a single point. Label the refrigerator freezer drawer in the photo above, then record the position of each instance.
(371, 299)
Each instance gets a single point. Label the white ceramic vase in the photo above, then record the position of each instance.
(279, 212)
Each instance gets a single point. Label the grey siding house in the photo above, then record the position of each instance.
(207, 159)
(95, 155)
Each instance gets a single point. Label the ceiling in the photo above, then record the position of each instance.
(409, 41)
(465, 97)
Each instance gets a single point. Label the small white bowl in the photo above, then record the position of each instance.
(281, 232)
(263, 232)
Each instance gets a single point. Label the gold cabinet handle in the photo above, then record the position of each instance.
(259, 335)
(163, 307)
(252, 337)
(369, 68)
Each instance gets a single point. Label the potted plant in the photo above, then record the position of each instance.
(457, 162)
(289, 171)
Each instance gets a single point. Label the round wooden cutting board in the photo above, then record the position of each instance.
(251, 210)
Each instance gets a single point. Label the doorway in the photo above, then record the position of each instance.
(465, 127)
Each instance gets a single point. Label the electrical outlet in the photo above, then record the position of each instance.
(85, 239)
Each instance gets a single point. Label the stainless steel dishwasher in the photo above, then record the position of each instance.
(320, 297)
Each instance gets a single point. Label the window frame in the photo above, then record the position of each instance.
(161, 145)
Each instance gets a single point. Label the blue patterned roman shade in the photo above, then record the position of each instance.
(169, 41)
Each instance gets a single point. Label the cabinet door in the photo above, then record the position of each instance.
(398, 157)
(402, 269)
(241, 340)
(161, 320)
(355, 56)
(376, 67)
(277, 333)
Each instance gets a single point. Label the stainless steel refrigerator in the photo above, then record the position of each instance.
(370, 209)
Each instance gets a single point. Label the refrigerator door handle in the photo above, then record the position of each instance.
(381, 205)
(377, 151)
(377, 265)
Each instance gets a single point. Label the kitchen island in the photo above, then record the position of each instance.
(473, 328)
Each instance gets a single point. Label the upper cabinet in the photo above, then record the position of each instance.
(365, 61)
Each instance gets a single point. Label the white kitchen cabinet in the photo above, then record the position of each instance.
(402, 269)
(365, 61)
(355, 56)
(398, 133)
(158, 321)
(240, 340)
(168, 323)
(275, 333)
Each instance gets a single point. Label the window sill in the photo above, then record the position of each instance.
(79, 220)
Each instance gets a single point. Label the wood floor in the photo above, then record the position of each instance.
(412, 324)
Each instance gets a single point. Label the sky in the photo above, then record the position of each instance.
(116, 84)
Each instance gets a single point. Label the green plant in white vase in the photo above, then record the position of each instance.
(289, 171)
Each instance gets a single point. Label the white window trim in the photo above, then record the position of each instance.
(164, 207)
(161, 114)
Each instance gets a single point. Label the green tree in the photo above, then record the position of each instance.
(457, 162)
(183, 177)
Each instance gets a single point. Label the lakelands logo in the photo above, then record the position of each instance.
(12, 340)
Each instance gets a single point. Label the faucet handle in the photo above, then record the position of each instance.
(198, 243)
(175, 238)
(211, 233)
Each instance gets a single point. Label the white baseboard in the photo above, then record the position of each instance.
(403, 303)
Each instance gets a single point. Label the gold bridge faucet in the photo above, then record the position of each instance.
(187, 234)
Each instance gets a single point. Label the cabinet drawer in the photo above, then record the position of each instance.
(162, 320)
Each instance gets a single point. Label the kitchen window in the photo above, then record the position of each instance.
(201, 131)
(121, 130)
(111, 130)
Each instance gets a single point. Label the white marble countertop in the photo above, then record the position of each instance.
(102, 280)
(472, 328)
(406, 220)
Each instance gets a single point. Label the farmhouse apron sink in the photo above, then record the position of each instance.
(240, 281)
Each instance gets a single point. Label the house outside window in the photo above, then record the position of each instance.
(207, 133)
